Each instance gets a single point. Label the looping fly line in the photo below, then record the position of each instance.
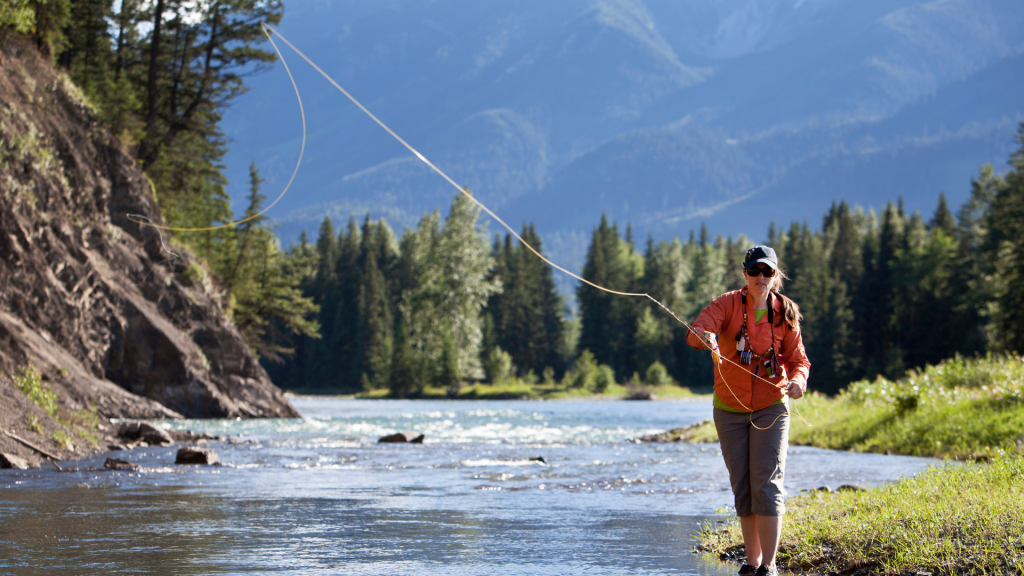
(302, 150)
(267, 30)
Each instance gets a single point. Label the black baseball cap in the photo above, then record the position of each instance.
(761, 254)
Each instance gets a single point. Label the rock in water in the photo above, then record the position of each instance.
(191, 455)
(146, 432)
(409, 437)
(118, 464)
(15, 462)
(851, 488)
(684, 434)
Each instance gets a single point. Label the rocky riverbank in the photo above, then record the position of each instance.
(114, 323)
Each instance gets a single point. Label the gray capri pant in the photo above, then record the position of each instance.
(756, 459)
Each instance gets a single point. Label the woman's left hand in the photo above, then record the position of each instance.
(795, 390)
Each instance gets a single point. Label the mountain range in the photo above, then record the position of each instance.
(665, 114)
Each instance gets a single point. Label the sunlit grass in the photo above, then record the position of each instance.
(519, 389)
(957, 409)
(957, 519)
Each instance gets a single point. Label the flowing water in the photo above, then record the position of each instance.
(319, 495)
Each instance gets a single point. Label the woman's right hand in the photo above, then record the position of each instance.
(711, 343)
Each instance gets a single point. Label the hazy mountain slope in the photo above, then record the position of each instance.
(663, 113)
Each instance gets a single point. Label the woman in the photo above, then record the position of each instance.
(762, 361)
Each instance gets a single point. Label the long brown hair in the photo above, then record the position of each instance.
(790, 310)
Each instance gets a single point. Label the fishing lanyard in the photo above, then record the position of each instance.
(771, 365)
(746, 347)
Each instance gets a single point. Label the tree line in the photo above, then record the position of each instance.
(881, 293)
(438, 307)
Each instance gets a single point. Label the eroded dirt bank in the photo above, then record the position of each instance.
(115, 326)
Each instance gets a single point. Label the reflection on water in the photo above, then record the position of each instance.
(319, 495)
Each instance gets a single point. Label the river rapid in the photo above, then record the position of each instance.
(319, 495)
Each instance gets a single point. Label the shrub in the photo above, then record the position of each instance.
(549, 376)
(583, 371)
(657, 375)
(498, 366)
(603, 378)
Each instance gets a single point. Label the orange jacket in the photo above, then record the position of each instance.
(724, 317)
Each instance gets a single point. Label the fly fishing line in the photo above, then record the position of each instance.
(267, 30)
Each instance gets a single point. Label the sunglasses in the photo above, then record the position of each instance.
(764, 271)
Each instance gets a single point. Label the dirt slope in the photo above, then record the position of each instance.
(89, 298)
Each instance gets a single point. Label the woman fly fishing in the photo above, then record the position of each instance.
(759, 330)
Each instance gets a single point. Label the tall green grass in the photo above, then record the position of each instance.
(518, 389)
(30, 382)
(957, 409)
(957, 519)
(960, 408)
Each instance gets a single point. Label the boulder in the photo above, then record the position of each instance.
(118, 464)
(15, 462)
(191, 455)
(409, 437)
(145, 432)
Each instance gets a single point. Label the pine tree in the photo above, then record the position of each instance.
(1006, 244)
(549, 313)
(344, 344)
(300, 263)
(375, 327)
(608, 321)
(943, 220)
(266, 302)
(666, 273)
(882, 351)
(244, 231)
(526, 316)
(88, 53)
(197, 56)
(403, 365)
(319, 358)
(843, 231)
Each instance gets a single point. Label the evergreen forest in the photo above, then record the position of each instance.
(446, 303)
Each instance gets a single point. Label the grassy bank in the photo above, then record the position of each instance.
(958, 519)
(520, 390)
(963, 409)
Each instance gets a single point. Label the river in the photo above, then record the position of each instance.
(319, 495)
